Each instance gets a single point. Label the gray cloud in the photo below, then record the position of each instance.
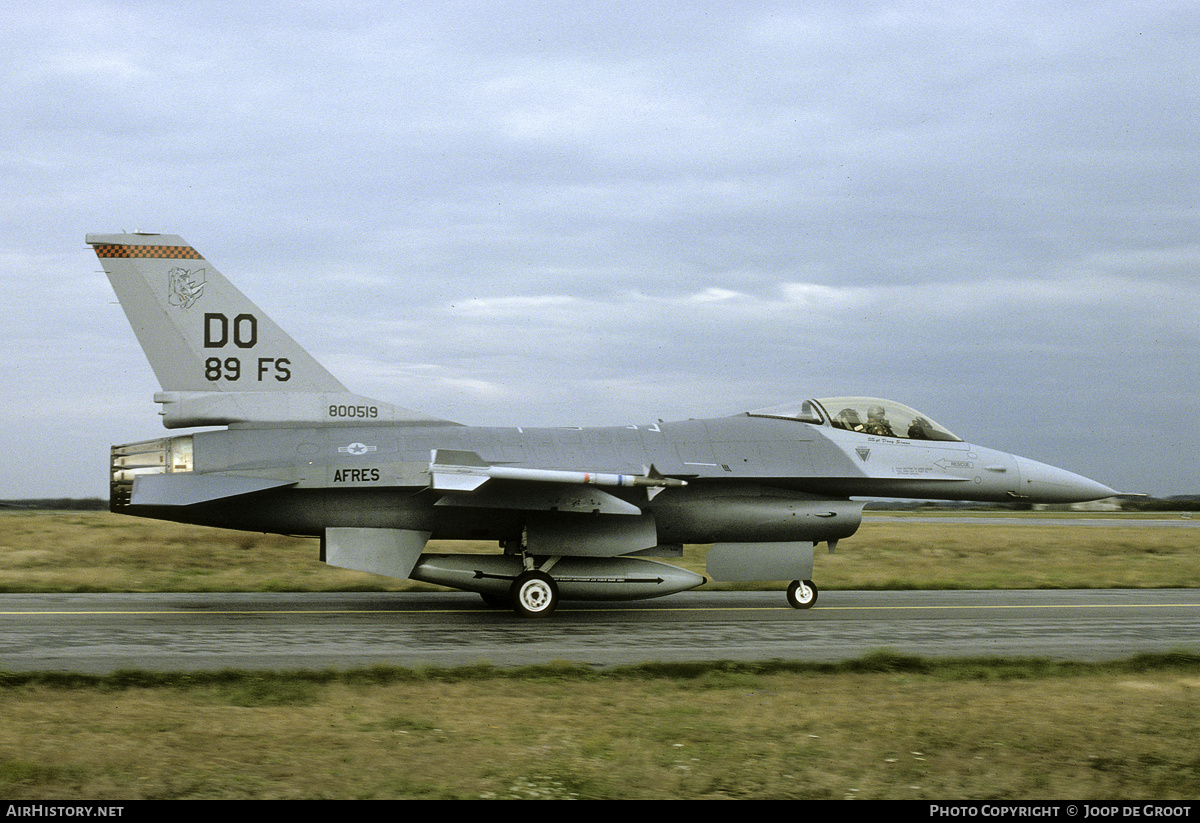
(566, 214)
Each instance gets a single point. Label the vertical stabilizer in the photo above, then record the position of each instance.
(199, 332)
(219, 358)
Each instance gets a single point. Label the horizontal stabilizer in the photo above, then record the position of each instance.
(185, 489)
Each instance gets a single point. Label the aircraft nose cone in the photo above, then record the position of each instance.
(1048, 484)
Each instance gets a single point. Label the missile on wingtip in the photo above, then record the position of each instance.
(454, 470)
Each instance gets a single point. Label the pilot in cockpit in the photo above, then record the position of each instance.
(877, 422)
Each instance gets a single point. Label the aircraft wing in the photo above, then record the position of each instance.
(565, 507)
(465, 471)
(189, 489)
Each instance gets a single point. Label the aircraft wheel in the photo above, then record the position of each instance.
(534, 594)
(802, 594)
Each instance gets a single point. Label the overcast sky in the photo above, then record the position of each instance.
(599, 213)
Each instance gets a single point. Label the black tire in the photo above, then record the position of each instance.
(802, 594)
(534, 594)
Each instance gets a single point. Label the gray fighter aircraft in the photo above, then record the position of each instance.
(576, 512)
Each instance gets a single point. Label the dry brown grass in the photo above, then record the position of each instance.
(739, 736)
(99, 551)
(934, 555)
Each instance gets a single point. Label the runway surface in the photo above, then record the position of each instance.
(100, 633)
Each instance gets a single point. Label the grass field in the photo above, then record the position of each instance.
(883, 727)
(99, 551)
(106, 552)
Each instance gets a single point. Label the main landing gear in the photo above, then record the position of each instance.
(801, 594)
(534, 594)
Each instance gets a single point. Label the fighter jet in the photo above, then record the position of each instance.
(576, 513)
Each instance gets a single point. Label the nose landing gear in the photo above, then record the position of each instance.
(801, 594)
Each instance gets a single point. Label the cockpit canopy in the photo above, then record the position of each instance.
(869, 415)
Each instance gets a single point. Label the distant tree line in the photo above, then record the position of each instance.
(57, 504)
(1177, 503)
